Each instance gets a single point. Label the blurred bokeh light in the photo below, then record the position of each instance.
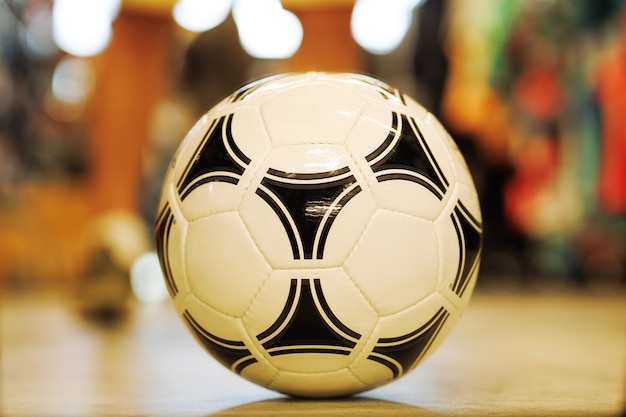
(83, 28)
(194, 16)
(379, 26)
(266, 30)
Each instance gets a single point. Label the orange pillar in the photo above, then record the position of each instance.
(327, 43)
(130, 76)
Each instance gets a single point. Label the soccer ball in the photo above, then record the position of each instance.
(319, 233)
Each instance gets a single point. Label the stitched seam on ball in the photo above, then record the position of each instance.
(257, 248)
(431, 222)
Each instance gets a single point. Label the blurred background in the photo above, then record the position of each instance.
(96, 95)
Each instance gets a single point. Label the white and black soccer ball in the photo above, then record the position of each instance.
(319, 233)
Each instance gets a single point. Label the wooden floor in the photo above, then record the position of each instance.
(510, 355)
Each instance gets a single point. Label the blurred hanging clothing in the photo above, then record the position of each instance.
(430, 63)
(611, 85)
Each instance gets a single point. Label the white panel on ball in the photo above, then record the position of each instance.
(397, 251)
(223, 265)
(327, 384)
(301, 114)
